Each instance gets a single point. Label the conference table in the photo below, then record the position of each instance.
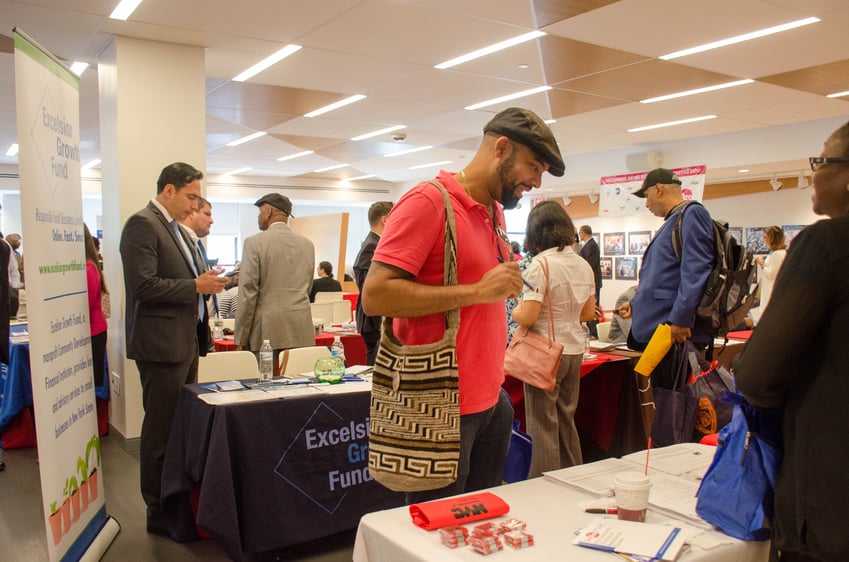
(355, 347)
(609, 416)
(553, 511)
(17, 423)
(272, 472)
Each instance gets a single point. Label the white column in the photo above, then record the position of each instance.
(152, 113)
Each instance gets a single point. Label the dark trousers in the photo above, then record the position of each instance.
(98, 357)
(484, 439)
(161, 384)
(372, 340)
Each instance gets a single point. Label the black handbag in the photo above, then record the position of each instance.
(414, 440)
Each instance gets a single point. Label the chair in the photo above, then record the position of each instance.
(341, 311)
(603, 330)
(323, 310)
(228, 323)
(227, 365)
(301, 359)
(327, 296)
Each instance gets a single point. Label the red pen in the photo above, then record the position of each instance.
(607, 510)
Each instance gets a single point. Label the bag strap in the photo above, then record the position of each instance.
(544, 263)
(452, 317)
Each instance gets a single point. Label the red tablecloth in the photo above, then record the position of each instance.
(21, 431)
(353, 298)
(741, 335)
(355, 347)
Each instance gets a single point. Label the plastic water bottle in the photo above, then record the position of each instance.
(587, 348)
(337, 349)
(266, 361)
(218, 329)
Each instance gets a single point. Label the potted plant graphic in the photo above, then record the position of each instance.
(65, 510)
(93, 445)
(55, 523)
(82, 470)
(72, 489)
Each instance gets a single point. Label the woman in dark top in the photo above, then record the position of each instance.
(796, 362)
(325, 282)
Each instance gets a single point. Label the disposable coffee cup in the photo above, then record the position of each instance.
(632, 495)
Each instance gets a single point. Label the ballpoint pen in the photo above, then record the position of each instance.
(528, 285)
(606, 510)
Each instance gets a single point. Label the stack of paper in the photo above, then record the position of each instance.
(689, 460)
(627, 537)
(595, 478)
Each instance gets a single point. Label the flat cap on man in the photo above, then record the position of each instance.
(656, 176)
(279, 202)
(525, 127)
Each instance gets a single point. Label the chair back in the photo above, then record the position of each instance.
(323, 310)
(227, 365)
(603, 330)
(226, 323)
(301, 359)
(342, 311)
(327, 296)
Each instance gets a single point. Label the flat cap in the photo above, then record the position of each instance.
(525, 127)
(656, 176)
(280, 202)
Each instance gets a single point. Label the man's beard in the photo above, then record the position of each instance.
(508, 198)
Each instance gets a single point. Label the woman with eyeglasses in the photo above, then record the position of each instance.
(796, 361)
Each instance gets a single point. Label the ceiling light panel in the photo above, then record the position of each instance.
(336, 105)
(124, 9)
(698, 91)
(508, 97)
(378, 132)
(248, 138)
(490, 49)
(672, 123)
(267, 62)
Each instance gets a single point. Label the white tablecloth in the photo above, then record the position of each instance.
(552, 514)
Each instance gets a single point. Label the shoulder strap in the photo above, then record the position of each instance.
(677, 240)
(544, 264)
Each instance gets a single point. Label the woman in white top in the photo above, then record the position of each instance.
(550, 416)
(774, 238)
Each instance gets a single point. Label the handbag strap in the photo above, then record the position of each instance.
(452, 317)
(544, 263)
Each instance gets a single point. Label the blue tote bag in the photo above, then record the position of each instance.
(738, 490)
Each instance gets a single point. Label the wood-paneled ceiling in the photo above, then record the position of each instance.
(599, 56)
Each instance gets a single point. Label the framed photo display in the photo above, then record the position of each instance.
(737, 233)
(638, 242)
(614, 244)
(755, 240)
(606, 268)
(790, 232)
(626, 268)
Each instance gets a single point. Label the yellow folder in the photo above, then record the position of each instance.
(656, 350)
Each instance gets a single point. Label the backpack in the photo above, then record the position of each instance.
(732, 287)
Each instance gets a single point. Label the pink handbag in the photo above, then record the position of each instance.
(532, 358)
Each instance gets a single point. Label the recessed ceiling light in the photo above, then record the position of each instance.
(672, 123)
(13, 150)
(430, 165)
(550, 121)
(489, 50)
(238, 171)
(509, 97)
(365, 177)
(378, 133)
(408, 151)
(91, 164)
(336, 105)
(740, 38)
(838, 94)
(266, 62)
(296, 155)
(524, 66)
(124, 9)
(79, 67)
(698, 91)
(743, 171)
(248, 138)
(327, 169)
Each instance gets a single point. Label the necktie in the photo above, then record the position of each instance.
(188, 253)
(205, 265)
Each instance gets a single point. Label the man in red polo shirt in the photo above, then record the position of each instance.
(406, 276)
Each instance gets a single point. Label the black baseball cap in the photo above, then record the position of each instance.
(280, 202)
(656, 176)
(525, 127)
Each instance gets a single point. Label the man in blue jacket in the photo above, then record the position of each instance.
(670, 288)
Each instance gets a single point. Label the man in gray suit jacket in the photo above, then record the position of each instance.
(165, 316)
(275, 277)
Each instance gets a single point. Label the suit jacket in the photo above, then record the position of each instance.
(669, 288)
(366, 324)
(275, 277)
(590, 252)
(162, 322)
(5, 256)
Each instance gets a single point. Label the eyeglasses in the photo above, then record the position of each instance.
(818, 162)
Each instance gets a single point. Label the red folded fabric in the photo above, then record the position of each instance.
(456, 511)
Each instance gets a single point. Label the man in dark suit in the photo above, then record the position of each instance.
(590, 252)
(166, 325)
(5, 256)
(369, 326)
